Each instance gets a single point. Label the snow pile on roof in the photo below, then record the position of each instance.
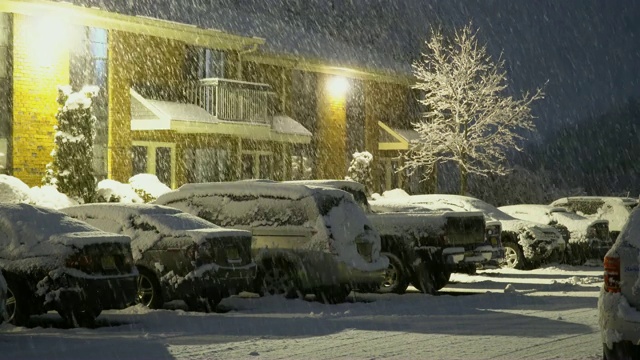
(115, 191)
(285, 125)
(148, 186)
(13, 190)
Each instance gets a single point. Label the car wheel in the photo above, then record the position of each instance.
(16, 305)
(279, 280)
(395, 277)
(332, 295)
(149, 292)
(513, 257)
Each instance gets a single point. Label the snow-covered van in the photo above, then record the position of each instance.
(526, 244)
(423, 247)
(305, 239)
(619, 302)
(616, 210)
(587, 239)
(179, 256)
(54, 262)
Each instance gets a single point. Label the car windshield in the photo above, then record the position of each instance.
(177, 222)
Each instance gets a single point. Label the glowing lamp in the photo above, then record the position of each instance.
(338, 86)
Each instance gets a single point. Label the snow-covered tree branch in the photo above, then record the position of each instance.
(469, 120)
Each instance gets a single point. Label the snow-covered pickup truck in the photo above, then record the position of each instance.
(423, 247)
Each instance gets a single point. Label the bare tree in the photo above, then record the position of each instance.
(469, 119)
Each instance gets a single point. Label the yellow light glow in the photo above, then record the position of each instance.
(338, 86)
(49, 36)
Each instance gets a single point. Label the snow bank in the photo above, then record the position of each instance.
(115, 191)
(148, 186)
(13, 190)
(49, 196)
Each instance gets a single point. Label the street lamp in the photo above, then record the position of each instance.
(338, 86)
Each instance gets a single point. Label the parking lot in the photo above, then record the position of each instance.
(548, 313)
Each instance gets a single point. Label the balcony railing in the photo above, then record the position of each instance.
(232, 100)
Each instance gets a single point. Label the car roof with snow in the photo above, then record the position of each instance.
(451, 202)
(248, 189)
(162, 217)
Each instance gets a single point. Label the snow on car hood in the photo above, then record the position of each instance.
(39, 232)
(147, 224)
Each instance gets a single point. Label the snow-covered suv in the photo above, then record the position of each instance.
(619, 302)
(305, 239)
(54, 262)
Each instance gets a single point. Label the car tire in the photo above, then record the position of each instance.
(332, 295)
(17, 304)
(149, 292)
(424, 281)
(278, 279)
(513, 256)
(396, 276)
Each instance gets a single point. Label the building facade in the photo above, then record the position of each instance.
(190, 104)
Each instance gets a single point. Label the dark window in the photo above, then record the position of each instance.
(163, 165)
(265, 166)
(210, 63)
(247, 166)
(139, 157)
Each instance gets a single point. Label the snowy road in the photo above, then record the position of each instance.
(547, 313)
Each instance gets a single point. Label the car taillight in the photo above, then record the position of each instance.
(612, 274)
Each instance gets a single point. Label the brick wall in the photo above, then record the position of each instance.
(331, 133)
(136, 59)
(40, 64)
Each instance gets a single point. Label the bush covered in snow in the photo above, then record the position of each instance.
(49, 196)
(360, 170)
(148, 187)
(115, 191)
(71, 170)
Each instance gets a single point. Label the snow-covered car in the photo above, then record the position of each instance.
(526, 244)
(614, 209)
(305, 239)
(54, 262)
(619, 301)
(586, 238)
(179, 256)
(423, 247)
(3, 299)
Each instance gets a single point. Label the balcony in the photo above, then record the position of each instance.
(232, 100)
(213, 106)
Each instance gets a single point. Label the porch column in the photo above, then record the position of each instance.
(331, 127)
(372, 112)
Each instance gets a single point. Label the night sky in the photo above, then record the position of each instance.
(588, 51)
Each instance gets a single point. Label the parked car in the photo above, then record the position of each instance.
(586, 238)
(4, 316)
(305, 239)
(614, 209)
(619, 301)
(526, 244)
(423, 247)
(179, 256)
(54, 262)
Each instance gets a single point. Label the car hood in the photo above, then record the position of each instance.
(539, 231)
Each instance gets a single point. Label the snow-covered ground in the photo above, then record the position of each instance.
(548, 313)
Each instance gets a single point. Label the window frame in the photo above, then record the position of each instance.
(151, 156)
